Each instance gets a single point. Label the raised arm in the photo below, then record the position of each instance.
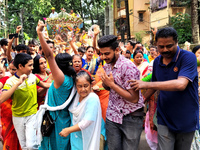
(8, 52)
(73, 47)
(96, 32)
(18, 29)
(57, 74)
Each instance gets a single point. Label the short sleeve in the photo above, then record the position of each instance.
(188, 66)
(155, 63)
(37, 80)
(129, 72)
(8, 85)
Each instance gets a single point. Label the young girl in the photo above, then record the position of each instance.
(85, 112)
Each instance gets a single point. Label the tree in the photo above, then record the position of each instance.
(182, 23)
(127, 20)
(33, 10)
(194, 18)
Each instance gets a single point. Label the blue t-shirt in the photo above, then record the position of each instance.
(178, 110)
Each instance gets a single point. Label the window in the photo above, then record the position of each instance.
(140, 17)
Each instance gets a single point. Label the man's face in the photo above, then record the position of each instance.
(167, 47)
(22, 51)
(53, 10)
(108, 54)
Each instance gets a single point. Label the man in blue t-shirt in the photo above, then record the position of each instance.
(175, 75)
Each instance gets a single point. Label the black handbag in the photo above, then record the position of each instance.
(48, 124)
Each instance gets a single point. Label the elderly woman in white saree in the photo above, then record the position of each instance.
(85, 112)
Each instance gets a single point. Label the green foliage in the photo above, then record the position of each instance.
(139, 35)
(182, 23)
(33, 10)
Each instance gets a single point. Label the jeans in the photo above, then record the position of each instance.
(125, 136)
(26, 131)
(168, 140)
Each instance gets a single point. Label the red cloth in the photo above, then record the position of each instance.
(10, 140)
(40, 100)
(103, 94)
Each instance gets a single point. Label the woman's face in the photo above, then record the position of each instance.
(83, 87)
(138, 58)
(43, 64)
(77, 63)
(197, 53)
(90, 53)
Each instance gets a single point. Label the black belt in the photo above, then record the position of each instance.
(138, 112)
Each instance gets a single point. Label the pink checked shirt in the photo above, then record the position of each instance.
(123, 71)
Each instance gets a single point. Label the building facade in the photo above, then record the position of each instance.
(139, 19)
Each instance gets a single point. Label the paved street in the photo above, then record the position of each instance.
(143, 144)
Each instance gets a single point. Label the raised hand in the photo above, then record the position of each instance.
(18, 29)
(22, 78)
(40, 26)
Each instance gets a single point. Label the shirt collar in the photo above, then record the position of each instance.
(16, 75)
(118, 62)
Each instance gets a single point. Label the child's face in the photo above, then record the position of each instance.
(32, 49)
(2, 73)
(83, 87)
(27, 69)
(12, 68)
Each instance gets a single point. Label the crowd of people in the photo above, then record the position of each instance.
(101, 94)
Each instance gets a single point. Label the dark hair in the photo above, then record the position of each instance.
(36, 64)
(83, 73)
(140, 48)
(21, 47)
(166, 33)
(4, 42)
(89, 47)
(136, 52)
(195, 49)
(22, 59)
(48, 41)
(33, 41)
(77, 56)
(132, 43)
(64, 62)
(108, 41)
(128, 52)
(153, 47)
(81, 49)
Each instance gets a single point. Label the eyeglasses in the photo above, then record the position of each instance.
(167, 46)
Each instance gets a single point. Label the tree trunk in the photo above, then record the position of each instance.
(82, 14)
(194, 19)
(127, 20)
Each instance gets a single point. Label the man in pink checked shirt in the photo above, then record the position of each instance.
(124, 116)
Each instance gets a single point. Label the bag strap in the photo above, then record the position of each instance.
(60, 110)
